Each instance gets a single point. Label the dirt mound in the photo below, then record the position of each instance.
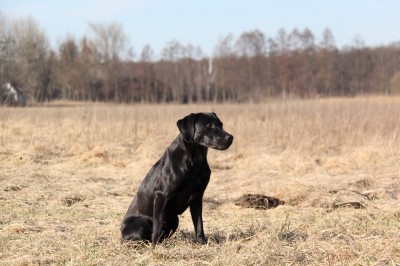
(258, 201)
(350, 204)
(71, 200)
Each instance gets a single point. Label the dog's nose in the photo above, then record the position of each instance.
(229, 138)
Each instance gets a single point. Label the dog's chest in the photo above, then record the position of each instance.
(190, 187)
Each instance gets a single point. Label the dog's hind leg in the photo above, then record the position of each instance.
(137, 228)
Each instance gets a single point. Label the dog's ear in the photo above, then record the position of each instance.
(186, 126)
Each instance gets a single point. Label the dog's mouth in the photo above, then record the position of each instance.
(221, 147)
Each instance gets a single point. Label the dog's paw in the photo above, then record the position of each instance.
(202, 240)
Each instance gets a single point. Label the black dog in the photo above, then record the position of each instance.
(177, 181)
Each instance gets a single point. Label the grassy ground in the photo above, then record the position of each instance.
(68, 174)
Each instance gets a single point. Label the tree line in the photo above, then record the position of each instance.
(252, 67)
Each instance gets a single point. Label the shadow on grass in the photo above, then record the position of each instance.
(220, 237)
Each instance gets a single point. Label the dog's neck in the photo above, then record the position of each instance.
(193, 152)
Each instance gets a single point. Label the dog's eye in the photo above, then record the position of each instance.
(211, 125)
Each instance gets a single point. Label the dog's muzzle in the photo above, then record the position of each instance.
(224, 143)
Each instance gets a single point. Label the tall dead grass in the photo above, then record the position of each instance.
(68, 174)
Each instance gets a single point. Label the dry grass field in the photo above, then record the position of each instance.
(69, 172)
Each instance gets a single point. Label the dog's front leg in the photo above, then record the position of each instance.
(160, 201)
(196, 209)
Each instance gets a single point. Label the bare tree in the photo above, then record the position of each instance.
(173, 52)
(148, 89)
(308, 78)
(110, 43)
(147, 54)
(8, 51)
(67, 66)
(282, 43)
(328, 41)
(251, 47)
(328, 79)
(385, 78)
(32, 49)
(223, 81)
(225, 46)
(251, 44)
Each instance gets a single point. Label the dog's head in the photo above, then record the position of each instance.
(206, 130)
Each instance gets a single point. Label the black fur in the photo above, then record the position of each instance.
(176, 182)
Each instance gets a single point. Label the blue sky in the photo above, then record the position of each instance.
(203, 22)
